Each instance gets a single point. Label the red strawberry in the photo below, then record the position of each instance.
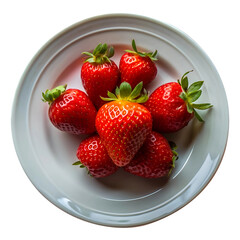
(172, 105)
(155, 158)
(93, 155)
(136, 67)
(124, 124)
(70, 110)
(99, 74)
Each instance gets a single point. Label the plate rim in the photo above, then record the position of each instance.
(105, 16)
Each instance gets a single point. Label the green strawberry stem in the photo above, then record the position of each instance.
(190, 94)
(50, 95)
(101, 54)
(151, 55)
(125, 92)
(79, 163)
(173, 146)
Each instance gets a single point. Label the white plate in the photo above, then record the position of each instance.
(47, 154)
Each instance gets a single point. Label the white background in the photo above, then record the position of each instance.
(25, 26)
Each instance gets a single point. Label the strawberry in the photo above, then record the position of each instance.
(155, 158)
(93, 155)
(99, 74)
(124, 124)
(172, 105)
(70, 110)
(136, 67)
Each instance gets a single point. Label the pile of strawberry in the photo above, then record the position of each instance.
(126, 126)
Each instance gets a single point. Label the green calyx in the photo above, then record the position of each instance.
(191, 94)
(101, 54)
(79, 163)
(151, 55)
(125, 92)
(173, 146)
(50, 95)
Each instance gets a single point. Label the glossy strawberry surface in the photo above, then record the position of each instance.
(169, 111)
(98, 79)
(155, 158)
(93, 155)
(73, 112)
(123, 126)
(135, 69)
